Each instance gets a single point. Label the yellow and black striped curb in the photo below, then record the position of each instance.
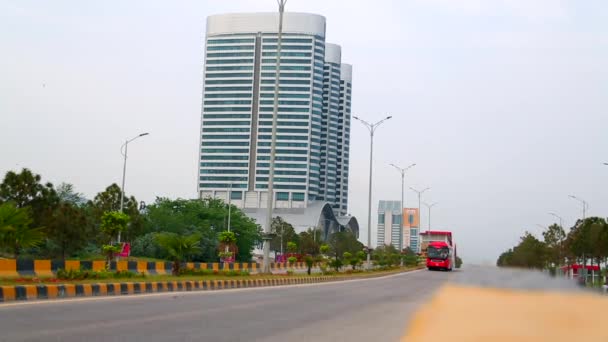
(48, 268)
(53, 291)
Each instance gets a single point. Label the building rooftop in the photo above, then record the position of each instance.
(393, 206)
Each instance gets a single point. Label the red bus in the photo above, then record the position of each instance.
(440, 256)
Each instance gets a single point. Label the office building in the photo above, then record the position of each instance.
(411, 225)
(390, 223)
(313, 131)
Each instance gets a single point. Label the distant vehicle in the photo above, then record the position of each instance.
(439, 250)
(440, 256)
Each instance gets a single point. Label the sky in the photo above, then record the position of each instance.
(502, 104)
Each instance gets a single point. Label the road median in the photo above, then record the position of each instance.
(75, 289)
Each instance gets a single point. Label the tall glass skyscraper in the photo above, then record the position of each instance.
(313, 132)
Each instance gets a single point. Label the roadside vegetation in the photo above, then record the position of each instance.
(42, 221)
(586, 243)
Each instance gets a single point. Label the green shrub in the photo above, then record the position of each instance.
(79, 274)
(410, 260)
(195, 272)
(233, 273)
(336, 264)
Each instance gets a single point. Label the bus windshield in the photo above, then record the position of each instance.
(438, 252)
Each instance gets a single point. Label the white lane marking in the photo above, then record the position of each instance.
(193, 292)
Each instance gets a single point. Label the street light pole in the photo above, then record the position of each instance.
(430, 206)
(402, 171)
(560, 219)
(584, 203)
(372, 128)
(270, 202)
(419, 200)
(124, 172)
(229, 204)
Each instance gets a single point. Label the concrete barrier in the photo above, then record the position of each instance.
(54, 291)
(48, 268)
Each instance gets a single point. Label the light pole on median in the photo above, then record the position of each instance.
(270, 203)
(430, 206)
(125, 146)
(402, 171)
(419, 192)
(372, 128)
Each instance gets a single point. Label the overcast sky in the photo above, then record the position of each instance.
(503, 104)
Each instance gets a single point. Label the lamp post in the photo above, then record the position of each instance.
(124, 171)
(561, 240)
(229, 204)
(430, 206)
(372, 128)
(267, 235)
(402, 171)
(419, 192)
(560, 219)
(584, 203)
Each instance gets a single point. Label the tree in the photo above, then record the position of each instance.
(310, 261)
(284, 233)
(324, 249)
(227, 245)
(26, 190)
(15, 231)
(344, 241)
(386, 256)
(112, 223)
(458, 262)
(208, 218)
(310, 241)
(109, 200)
(554, 238)
(67, 194)
(505, 259)
(529, 253)
(408, 251)
(179, 247)
(68, 229)
(292, 247)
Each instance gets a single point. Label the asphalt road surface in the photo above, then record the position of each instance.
(360, 310)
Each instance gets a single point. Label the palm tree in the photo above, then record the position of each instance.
(15, 230)
(179, 247)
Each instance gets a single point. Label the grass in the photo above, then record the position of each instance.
(156, 278)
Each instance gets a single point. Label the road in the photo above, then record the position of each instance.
(360, 310)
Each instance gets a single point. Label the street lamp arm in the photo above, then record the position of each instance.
(128, 141)
(402, 171)
(367, 124)
(429, 205)
(375, 125)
